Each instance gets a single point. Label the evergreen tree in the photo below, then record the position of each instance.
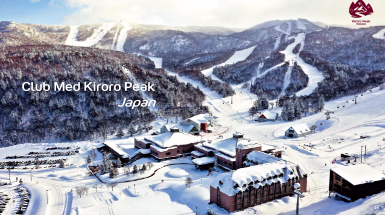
(131, 129)
(89, 159)
(321, 103)
(120, 133)
(135, 169)
(119, 163)
(114, 172)
(62, 164)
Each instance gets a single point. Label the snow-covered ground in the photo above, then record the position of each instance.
(165, 192)
(95, 37)
(380, 34)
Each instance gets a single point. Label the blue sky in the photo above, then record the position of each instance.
(46, 12)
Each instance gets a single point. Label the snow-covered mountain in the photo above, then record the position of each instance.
(193, 49)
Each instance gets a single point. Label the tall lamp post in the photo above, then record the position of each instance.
(299, 194)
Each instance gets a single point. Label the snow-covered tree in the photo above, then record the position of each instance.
(135, 169)
(62, 163)
(119, 163)
(188, 181)
(120, 133)
(131, 129)
(89, 159)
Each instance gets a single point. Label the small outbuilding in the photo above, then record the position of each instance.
(299, 130)
(355, 181)
(267, 116)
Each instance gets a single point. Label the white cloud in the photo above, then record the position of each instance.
(34, 1)
(228, 13)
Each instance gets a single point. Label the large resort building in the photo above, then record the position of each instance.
(255, 185)
(168, 145)
(230, 153)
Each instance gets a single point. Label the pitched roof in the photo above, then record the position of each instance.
(201, 118)
(114, 147)
(227, 146)
(359, 174)
(171, 139)
(301, 128)
(204, 160)
(268, 115)
(260, 158)
(259, 175)
(181, 127)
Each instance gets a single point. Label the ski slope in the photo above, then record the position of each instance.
(236, 57)
(380, 35)
(93, 39)
(122, 36)
(314, 74)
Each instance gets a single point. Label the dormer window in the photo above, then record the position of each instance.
(220, 182)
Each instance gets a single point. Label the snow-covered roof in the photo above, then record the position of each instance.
(227, 146)
(268, 115)
(256, 157)
(232, 182)
(145, 151)
(171, 139)
(201, 118)
(359, 174)
(247, 144)
(301, 128)
(180, 127)
(197, 154)
(114, 147)
(204, 160)
(266, 147)
(160, 149)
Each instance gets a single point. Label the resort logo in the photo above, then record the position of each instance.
(359, 9)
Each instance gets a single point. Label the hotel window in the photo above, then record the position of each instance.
(337, 177)
(168, 153)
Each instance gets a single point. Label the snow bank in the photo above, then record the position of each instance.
(176, 173)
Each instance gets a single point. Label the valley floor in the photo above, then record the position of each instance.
(166, 193)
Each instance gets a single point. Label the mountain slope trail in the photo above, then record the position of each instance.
(236, 57)
(122, 36)
(93, 39)
(314, 74)
(380, 35)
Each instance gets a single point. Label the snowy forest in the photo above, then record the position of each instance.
(69, 115)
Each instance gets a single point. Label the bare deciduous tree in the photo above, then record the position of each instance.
(96, 186)
(112, 185)
(80, 191)
(188, 182)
